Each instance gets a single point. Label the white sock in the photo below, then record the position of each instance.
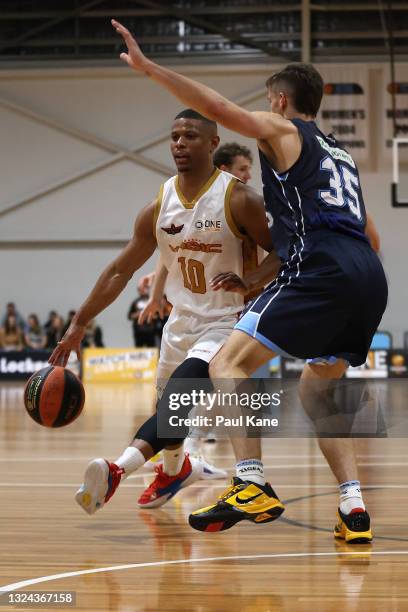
(251, 469)
(192, 446)
(173, 460)
(350, 496)
(130, 460)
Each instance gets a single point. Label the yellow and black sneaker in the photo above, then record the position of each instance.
(354, 528)
(241, 501)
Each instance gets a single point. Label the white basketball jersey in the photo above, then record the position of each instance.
(197, 241)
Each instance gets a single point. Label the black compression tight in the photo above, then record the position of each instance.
(192, 368)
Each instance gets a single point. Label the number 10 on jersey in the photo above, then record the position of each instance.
(193, 274)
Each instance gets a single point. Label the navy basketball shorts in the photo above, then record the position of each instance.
(326, 302)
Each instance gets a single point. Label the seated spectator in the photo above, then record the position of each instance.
(50, 320)
(35, 338)
(93, 336)
(11, 335)
(53, 329)
(144, 334)
(71, 313)
(11, 310)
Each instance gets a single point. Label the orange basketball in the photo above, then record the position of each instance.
(54, 396)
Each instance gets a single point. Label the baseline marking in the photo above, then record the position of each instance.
(24, 583)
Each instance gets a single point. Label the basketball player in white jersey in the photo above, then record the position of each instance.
(204, 222)
(236, 159)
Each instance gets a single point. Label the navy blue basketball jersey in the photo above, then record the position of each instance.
(320, 191)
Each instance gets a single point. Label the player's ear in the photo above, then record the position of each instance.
(215, 141)
(283, 101)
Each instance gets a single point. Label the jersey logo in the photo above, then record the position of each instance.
(336, 153)
(173, 229)
(208, 225)
(195, 245)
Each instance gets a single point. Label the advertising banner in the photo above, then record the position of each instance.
(20, 365)
(376, 366)
(119, 364)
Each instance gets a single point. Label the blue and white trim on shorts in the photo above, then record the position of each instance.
(249, 323)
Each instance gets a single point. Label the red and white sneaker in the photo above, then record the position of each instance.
(101, 479)
(164, 487)
(208, 472)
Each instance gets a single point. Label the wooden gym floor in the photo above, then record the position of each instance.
(125, 559)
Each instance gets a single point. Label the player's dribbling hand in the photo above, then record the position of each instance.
(228, 281)
(152, 310)
(71, 341)
(134, 57)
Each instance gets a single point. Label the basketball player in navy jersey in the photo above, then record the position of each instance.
(331, 291)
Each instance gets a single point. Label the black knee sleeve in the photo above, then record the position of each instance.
(179, 382)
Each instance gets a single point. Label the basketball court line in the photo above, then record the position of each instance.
(25, 583)
(282, 466)
(228, 456)
(204, 485)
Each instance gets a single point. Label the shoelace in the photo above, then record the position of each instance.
(115, 474)
(160, 478)
(231, 491)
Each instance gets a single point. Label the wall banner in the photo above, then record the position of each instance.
(345, 109)
(119, 364)
(20, 365)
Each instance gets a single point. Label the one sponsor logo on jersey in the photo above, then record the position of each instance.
(196, 245)
(208, 225)
(336, 153)
(173, 229)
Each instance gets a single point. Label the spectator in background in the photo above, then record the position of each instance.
(51, 315)
(71, 313)
(93, 336)
(11, 335)
(11, 310)
(235, 159)
(35, 337)
(53, 329)
(143, 334)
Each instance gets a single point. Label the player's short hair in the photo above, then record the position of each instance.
(303, 83)
(225, 154)
(189, 113)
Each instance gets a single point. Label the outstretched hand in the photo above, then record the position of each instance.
(134, 57)
(151, 311)
(71, 341)
(228, 281)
